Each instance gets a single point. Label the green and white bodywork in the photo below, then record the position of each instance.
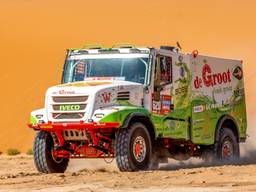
(185, 96)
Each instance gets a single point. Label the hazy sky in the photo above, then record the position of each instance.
(35, 33)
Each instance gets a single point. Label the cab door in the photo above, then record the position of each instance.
(162, 89)
(169, 109)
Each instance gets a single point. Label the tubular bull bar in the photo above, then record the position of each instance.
(93, 150)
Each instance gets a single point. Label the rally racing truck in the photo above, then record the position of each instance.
(141, 106)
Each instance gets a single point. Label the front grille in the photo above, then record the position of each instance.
(68, 99)
(67, 115)
(68, 107)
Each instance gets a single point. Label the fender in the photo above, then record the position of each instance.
(221, 121)
(143, 118)
(133, 115)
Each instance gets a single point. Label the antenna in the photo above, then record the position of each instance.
(178, 45)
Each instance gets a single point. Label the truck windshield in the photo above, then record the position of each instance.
(127, 67)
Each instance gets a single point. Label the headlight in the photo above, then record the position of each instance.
(39, 116)
(99, 115)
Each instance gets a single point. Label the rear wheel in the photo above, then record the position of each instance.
(225, 150)
(133, 148)
(43, 158)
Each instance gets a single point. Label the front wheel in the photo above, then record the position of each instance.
(43, 158)
(133, 148)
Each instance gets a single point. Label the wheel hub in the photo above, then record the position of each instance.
(56, 159)
(139, 148)
(227, 149)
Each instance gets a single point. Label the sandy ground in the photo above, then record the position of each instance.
(18, 173)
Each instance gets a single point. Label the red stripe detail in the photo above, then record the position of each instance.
(76, 126)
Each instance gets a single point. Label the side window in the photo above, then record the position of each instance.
(162, 99)
(163, 74)
(165, 70)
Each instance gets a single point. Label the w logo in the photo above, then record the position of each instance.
(106, 97)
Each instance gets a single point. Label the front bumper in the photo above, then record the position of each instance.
(51, 127)
(95, 129)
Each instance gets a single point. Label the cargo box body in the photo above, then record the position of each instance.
(203, 90)
(217, 90)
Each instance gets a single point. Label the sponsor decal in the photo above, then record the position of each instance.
(106, 97)
(120, 87)
(85, 84)
(215, 106)
(104, 78)
(163, 106)
(181, 90)
(166, 101)
(198, 109)
(196, 121)
(46, 126)
(64, 92)
(180, 58)
(239, 92)
(182, 72)
(171, 125)
(223, 90)
(238, 73)
(69, 107)
(210, 79)
(156, 106)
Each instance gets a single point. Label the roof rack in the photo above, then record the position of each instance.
(124, 45)
(135, 50)
(109, 51)
(92, 47)
(77, 51)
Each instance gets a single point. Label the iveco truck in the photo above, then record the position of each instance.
(141, 106)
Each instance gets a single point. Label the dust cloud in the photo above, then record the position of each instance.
(248, 149)
(92, 164)
(247, 156)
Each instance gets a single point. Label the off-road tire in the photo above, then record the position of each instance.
(215, 153)
(125, 140)
(227, 136)
(43, 158)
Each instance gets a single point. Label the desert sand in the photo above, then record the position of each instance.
(35, 34)
(18, 174)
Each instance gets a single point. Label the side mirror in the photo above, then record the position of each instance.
(146, 89)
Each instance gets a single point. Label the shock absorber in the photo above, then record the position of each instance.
(55, 141)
